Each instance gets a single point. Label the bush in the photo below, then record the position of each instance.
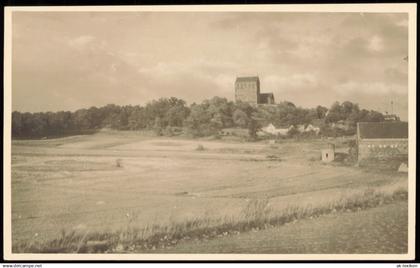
(293, 133)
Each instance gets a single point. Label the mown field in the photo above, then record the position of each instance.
(113, 181)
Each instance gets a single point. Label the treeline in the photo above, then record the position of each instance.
(168, 116)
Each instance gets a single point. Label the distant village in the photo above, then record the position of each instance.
(253, 116)
(374, 140)
(247, 90)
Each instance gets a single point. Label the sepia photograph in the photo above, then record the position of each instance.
(210, 132)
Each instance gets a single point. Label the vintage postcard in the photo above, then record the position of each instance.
(241, 132)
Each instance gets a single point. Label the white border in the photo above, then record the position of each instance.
(372, 8)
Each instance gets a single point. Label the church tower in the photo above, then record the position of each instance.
(247, 89)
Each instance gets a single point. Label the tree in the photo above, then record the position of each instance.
(137, 119)
(240, 118)
(321, 111)
(198, 122)
(172, 114)
(374, 116)
(17, 124)
(347, 111)
(253, 127)
(176, 115)
(158, 126)
(368, 116)
(111, 115)
(96, 117)
(221, 110)
(37, 125)
(334, 113)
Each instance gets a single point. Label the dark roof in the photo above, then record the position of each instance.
(383, 130)
(265, 96)
(248, 79)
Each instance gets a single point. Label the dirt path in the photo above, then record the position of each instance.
(381, 230)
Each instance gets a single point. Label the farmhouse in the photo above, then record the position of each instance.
(247, 89)
(310, 128)
(382, 141)
(272, 130)
(307, 129)
(341, 124)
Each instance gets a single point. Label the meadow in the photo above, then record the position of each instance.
(124, 191)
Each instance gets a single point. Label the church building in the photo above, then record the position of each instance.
(247, 89)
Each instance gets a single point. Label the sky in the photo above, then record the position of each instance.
(73, 60)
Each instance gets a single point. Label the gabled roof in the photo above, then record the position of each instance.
(247, 79)
(383, 130)
(264, 97)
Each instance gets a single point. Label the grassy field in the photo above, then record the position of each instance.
(376, 231)
(113, 181)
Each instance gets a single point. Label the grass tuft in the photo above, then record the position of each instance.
(118, 163)
(200, 148)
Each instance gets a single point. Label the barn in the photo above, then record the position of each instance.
(382, 141)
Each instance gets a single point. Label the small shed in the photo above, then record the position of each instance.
(327, 155)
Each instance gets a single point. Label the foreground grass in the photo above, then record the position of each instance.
(379, 230)
(256, 216)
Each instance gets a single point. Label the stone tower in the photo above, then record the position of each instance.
(247, 89)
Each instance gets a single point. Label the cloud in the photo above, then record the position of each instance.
(402, 23)
(192, 80)
(83, 59)
(81, 41)
(387, 27)
(376, 43)
(373, 88)
(295, 82)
